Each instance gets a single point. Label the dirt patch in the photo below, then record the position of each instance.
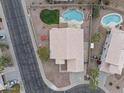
(59, 79)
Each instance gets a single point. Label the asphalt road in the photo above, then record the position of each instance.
(23, 48)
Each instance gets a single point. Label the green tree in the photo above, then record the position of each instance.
(95, 1)
(3, 62)
(50, 16)
(43, 53)
(106, 2)
(95, 11)
(96, 37)
(0, 19)
(14, 89)
(4, 46)
(49, 1)
(94, 73)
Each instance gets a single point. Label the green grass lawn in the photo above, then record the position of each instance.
(50, 16)
(14, 89)
(43, 53)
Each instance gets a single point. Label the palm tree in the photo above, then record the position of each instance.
(94, 73)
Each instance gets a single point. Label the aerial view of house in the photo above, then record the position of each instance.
(66, 47)
(61, 46)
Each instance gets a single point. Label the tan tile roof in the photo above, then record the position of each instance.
(115, 48)
(67, 44)
(114, 61)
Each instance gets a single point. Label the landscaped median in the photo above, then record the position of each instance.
(50, 16)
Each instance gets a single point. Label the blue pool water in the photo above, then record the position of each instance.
(111, 18)
(73, 14)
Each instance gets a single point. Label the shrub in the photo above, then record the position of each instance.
(0, 19)
(3, 62)
(96, 37)
(49, 1)
(94, 1)
(94, 73)
(50, 16)
(4, 46)
(110, 83)
(106, 2)
(43, 53)
(95, 11)
(14, 89)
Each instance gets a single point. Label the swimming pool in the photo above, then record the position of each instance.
(111, 18)
(73, 14)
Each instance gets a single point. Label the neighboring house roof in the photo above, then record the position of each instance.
(116, 47)
(68, 44)
(114, 61)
